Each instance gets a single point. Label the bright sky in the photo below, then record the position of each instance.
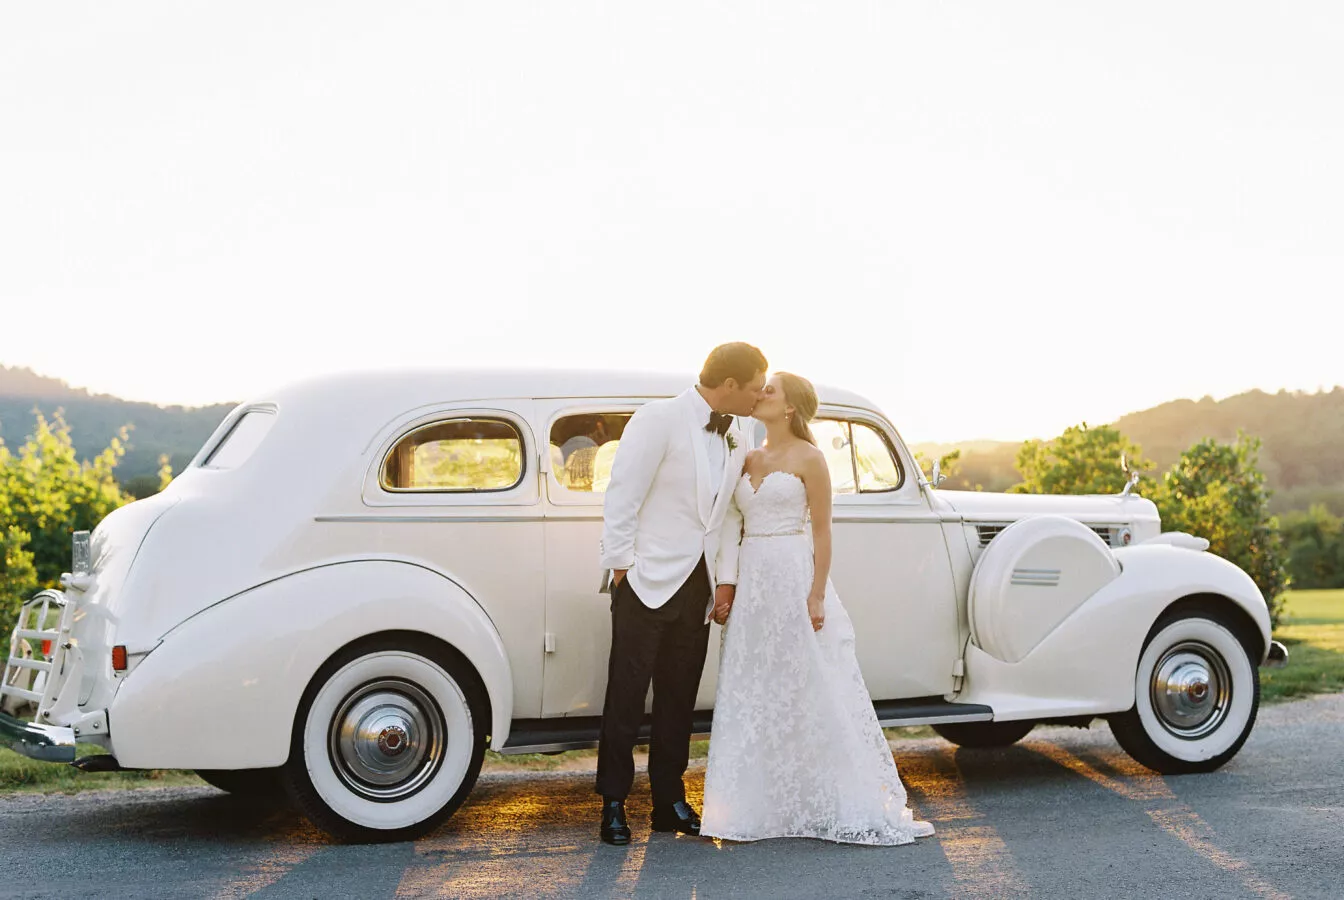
(994, 219)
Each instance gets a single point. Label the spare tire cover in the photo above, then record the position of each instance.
(1030, 578)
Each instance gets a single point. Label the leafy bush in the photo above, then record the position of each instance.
(1315, 541)
(47, 494)
(1218, 492)
(1082, 460)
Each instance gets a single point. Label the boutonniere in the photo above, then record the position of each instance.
(732, 441)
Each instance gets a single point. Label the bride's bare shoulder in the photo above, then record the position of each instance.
(808, 460)
(809, 454)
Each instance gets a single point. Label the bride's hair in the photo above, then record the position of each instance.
(799, 393)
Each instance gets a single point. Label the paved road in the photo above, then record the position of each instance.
(1063, 814)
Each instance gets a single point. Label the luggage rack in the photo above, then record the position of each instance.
(37, 652)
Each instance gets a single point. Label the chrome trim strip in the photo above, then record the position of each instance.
(474, 520)
(890, 520)
(358, 517)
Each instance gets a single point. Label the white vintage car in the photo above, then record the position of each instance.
(362, 582)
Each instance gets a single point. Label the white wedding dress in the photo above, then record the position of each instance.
(796, 750)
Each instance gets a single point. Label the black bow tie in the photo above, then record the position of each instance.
(720, 423)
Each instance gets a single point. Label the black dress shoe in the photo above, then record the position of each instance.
(676, 817)
(615, 829)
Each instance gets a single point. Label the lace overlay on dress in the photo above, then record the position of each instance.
(796, 749)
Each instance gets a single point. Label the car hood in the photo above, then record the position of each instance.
(978, 506)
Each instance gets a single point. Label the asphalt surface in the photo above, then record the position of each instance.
(1063, 814)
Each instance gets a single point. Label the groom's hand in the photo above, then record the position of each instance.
(723, 602)
(617, 576)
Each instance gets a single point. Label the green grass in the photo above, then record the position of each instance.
(19, 773)
(1313, 631)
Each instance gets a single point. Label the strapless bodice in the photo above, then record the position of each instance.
(777, 507)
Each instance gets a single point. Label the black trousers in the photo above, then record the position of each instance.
(665, 646)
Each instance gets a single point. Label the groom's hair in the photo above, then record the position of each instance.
(739, 361)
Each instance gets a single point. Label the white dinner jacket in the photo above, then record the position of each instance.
(661, 512)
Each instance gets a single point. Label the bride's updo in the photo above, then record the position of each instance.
(799, 393)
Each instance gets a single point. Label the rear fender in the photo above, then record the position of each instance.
(222, 689)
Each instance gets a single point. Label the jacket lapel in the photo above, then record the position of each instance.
(695, 429)
(732, 467)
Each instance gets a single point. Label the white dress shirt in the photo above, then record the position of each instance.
(714, 442)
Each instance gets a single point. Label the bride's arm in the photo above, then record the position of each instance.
(817, 479)
(730, 547)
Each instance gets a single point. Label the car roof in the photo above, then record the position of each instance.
(410, 387)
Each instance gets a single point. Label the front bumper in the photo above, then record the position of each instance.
(1277, 657)
(49, 743)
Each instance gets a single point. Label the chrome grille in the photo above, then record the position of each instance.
(988, 531)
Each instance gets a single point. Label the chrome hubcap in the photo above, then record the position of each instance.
(1191, 690)
(387, 740)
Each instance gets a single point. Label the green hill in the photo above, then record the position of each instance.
(95, 418)
(1302, 434)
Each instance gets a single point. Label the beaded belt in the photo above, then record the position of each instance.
(775, 534)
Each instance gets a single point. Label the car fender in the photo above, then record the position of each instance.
(222, 689)
(1086, 664)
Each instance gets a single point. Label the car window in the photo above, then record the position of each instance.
(876, 465)
(582, 449)
(859, 457)
(241, 441)
(469, 454)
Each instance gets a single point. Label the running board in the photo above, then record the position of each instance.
(581, 732)
(929, 711)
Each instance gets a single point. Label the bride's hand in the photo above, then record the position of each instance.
(816, 610)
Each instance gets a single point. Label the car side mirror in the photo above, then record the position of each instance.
(937, 478)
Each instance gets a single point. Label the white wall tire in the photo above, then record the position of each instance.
(1196, 695)
(388, 740)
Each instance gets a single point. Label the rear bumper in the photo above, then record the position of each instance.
(1277, 657)
(49, 743)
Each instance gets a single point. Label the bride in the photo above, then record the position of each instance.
(796, 749)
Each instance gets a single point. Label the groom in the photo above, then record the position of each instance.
(666, 512)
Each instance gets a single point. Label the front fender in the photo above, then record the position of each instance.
(1086, 665)
(222, 689)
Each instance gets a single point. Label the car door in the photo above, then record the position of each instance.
(890, 563)
(457, 487)
(580, 439)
